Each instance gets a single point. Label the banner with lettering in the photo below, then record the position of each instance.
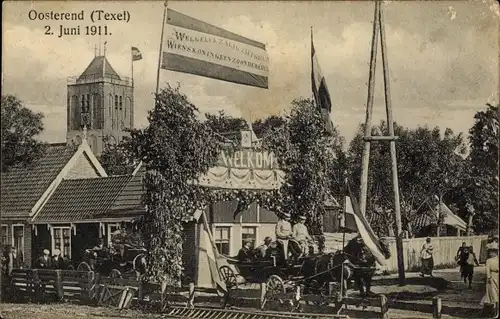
(244, 169)
(195, 47)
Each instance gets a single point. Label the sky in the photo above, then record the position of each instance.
(443, 58)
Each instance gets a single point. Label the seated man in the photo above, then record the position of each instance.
(261, 251)
(301, 234)
(245, 254)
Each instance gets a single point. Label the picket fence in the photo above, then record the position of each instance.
(445, 250)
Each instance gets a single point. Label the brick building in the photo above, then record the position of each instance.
(103, 101)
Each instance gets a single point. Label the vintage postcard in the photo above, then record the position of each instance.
(249, 159)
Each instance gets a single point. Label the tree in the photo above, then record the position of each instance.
(20, 127)
(266, 126)
(117, 159)
(226, 125)
(176, 148)
(306, 155)
(478, 195)
(428, 166)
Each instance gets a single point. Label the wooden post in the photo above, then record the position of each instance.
(394, 166)
(436, 308)
(369, 108)
(164, 296)
(262, 295)
(140, 293)
(191, 295)
(59, 285)
(384, 308)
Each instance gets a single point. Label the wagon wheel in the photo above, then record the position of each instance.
(83, 266)
(274, 286)
(228, 276)
(115, 273)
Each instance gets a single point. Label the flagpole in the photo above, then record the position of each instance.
(312, 66)
(132, 59)
(161, 47)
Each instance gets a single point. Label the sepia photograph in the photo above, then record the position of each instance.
(250, 159)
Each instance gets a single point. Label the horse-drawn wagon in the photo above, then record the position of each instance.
(126, 257)
(319, 278)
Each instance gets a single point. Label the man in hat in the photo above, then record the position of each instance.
(45, 262)
(284, 232)
(301, 234)
(245, 254)
(262, 249)
(57, 260)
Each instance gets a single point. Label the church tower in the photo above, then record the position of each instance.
(102, 102)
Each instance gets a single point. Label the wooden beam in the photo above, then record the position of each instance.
(380, 138)
(394, 165)
(369, 108)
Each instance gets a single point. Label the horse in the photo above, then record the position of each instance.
(363, 261)
(354, 263)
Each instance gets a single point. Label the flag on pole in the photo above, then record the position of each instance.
(320, 90)
(196, 47)
(211, 251)
(364, 229)
(136, 54)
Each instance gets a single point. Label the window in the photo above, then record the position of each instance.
(111, 229)
(83, 104)
(4, 235)
(222, 239)
(18, 238)
(62, 241)
(121, 102)
(116, 101)
(248, 233)
(88, 101)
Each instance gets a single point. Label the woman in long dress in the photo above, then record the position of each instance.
(490, 299)
(427, 258)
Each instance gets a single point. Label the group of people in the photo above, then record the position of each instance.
(284, 233)
(467, 260)
(11, 260)
(56, 261)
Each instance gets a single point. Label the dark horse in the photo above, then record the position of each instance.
(355, 263)
(364, 262)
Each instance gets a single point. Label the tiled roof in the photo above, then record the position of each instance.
(22, 187)
(82, 199)
(96, 68)
(449, 218)
(130, 197)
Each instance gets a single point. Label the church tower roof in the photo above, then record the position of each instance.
(99, 66)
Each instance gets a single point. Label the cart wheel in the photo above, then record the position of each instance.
(115, 273)
(228, 276)
(83, 266)
(274, 286)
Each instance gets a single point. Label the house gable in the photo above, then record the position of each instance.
(90, 168)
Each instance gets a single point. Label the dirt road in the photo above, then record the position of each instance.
(414, 300)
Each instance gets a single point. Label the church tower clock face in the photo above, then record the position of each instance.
(101, 102)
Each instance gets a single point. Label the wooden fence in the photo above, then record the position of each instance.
(43, 284)
(445, 250)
